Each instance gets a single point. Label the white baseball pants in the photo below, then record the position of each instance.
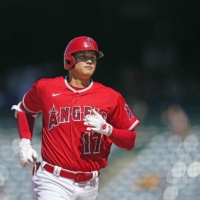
(47, 186)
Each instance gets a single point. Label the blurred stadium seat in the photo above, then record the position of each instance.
(167, 168)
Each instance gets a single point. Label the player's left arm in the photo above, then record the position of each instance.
(122, 138)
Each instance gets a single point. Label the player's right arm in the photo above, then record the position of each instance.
(26, 120)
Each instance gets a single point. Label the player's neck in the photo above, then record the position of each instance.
(78, 83)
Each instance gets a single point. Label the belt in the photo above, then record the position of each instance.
(77, 176)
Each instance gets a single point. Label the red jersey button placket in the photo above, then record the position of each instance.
(75, 103)
(76, 98)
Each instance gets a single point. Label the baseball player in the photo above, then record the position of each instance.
(81, 119)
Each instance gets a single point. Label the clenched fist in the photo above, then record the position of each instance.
(96, 123)
(27, 155)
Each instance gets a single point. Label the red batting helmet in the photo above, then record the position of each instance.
(82, 43)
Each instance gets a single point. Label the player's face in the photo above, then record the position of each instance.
(85, 64)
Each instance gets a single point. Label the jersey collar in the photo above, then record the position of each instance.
(78, 91)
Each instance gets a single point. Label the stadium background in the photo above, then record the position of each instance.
(152, 57)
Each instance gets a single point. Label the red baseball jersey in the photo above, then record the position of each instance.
(65, 140)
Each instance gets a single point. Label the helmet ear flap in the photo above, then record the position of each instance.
(69, 62)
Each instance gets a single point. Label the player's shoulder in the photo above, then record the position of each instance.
(54, 79)
(106, 89)
(49, 81)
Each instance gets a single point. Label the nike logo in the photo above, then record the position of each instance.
(53, 95)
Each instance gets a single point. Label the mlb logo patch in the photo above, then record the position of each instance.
(128, 111)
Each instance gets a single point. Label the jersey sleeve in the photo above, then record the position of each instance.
(31, 101)
(122, 116)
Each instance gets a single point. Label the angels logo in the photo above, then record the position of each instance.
(63, 115)
(90, 44)
(53, 118)
(129, 112)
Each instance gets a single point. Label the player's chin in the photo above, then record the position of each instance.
(88, 72)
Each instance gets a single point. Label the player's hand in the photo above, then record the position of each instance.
(27, 155)
(97, 124)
